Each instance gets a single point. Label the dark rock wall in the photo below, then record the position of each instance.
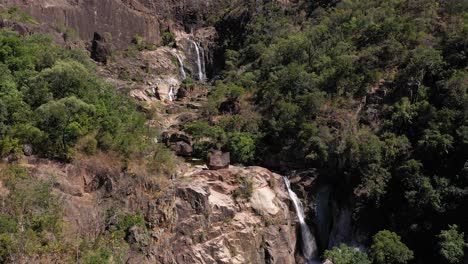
(119, 19)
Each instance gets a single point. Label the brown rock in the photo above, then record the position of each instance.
(219, 160)
(181, 148)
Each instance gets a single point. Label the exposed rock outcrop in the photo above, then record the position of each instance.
(219, 160)
(215, 227)
(235, 215)
(121, 19)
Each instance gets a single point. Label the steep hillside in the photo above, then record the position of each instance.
(363, 105)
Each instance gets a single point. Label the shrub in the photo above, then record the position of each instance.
(90, 146)
(167, 38)
(245, 189)
(99, 256)
(346, 255)
(387, 248)
(6, 247)
(242, 147)
(452, 244)
(163, 160)
(7, 225)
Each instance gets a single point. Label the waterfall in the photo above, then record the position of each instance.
(200, 60)
(309, 246)
(181, 66)
(171, 95)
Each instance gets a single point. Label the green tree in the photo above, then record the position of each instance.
(346, 255)
(452, 244)
(242, 147)
(387, 248)
(64, 121)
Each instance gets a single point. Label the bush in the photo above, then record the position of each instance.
(242, 147)
(346, 255)
(127, 221)
(387, 248)
(90, 146)
(163, 161)
(167, 38)
(6, 247)
(452, 244)
(99, 256)
(7, 225)
(245, 189)
(50, 97)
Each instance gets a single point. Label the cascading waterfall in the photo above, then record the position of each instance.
(171, 95)
(181, 66)
(200, 60)
(309, 245)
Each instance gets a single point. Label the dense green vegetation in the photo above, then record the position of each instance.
(50, 98)
(54, 106)
(371, 93)
(346, 255)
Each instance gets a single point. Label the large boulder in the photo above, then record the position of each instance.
(181, 148)
(219, 160)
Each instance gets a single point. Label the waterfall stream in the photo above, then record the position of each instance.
(309, 245)
(171, 95)
(200, 60)
(181, 66)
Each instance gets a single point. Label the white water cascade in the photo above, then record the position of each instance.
(181, 66)
(309, 245)
(171, 95)
(200, 60)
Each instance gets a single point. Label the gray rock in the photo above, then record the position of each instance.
(137, 236)
(27, 150)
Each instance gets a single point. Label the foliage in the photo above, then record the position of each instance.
(241, 147)
(16, 14)
(100, 256)
(245, 188)
(387, 248)
(346, 255)
(205, 137)
(127, 221)
(167, 37)
(141, 44)
(163, 161)
(452, 244)
(371, 94)
(50, 99)
(31, 214)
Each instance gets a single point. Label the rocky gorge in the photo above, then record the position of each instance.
(249, 161)
(230, 214)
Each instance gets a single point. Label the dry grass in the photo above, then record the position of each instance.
(98, 164)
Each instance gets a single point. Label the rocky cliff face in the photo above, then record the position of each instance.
(234, 215)
(120, 19)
